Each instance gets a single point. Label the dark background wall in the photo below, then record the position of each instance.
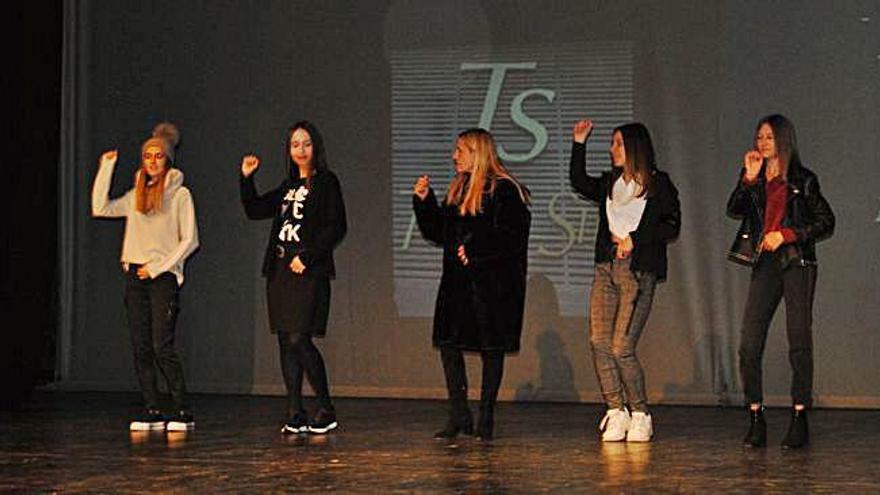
(234, 75)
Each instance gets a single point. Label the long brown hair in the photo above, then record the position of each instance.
(466, 189)
(785, 139)
(639, 157)
(149, 194)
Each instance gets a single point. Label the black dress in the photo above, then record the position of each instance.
(308, 221)
(480, 306)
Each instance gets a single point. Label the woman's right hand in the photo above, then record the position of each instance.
(752, 162)
(582, 130)
(421, 187)
(249, 165)
(108, 158)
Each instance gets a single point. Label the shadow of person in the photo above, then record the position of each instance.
(555, 381)
(715, 366)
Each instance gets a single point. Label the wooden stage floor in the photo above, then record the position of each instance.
(78, 442)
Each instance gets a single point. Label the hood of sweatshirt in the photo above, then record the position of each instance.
(173, 182)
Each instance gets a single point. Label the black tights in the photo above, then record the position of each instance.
(298, 355)
(456, 376)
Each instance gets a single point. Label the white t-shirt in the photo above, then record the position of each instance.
(624, 209)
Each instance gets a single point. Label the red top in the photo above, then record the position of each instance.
(776, 192)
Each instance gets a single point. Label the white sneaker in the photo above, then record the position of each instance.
(641, 428)
(614, 425)
(181, 421)
(148, 420)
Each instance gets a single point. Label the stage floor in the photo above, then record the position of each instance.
(79, 442)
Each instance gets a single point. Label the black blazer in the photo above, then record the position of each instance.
(660, 223)
(324, 219)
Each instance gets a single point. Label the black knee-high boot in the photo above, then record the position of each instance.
(493, 370)
(460, 419)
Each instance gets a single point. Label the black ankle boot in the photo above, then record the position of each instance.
(460, 419)
(798, 434)
(486, 423)
(757, 435)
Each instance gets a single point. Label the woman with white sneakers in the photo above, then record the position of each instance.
(639, 214)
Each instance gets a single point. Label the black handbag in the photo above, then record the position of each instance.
(745, 249)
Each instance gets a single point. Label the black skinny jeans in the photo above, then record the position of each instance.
(152, 306)
(796, 284)
(300, 355)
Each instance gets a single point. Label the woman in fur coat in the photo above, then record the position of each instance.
(483, 226)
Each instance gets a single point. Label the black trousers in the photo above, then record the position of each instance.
(152, 306)
(456, 374)
(770, 283)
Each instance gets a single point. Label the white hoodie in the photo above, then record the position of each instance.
(161, 241)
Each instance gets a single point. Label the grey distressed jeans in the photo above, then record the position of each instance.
(620, 302)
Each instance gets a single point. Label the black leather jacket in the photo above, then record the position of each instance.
(806, 213)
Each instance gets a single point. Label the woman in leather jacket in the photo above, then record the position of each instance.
(783, 214)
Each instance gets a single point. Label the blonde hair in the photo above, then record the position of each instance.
(149, 197)
(466, 189)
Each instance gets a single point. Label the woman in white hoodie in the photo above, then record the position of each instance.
(160, 233)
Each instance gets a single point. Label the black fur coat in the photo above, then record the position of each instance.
(479, 305)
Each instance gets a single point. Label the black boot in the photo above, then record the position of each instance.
(493, 369)
(757, 435)
(460, 418)
(486, 423)
(798, 434)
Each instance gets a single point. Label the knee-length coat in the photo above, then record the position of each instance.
(479, 305)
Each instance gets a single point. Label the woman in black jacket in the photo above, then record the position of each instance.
(483, 227)
(783, 214)
(639, 214)
(308, 222)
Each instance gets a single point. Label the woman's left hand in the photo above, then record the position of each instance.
(143, 274)
(297, 266)
(462, 256)
(772, 241)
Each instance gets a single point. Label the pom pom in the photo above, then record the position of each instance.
(168, 132)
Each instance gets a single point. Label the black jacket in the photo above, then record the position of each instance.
(807, 213)
(660, 223)
(479, 306)
(324, 220)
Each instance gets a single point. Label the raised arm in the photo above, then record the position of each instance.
(428, 215)
(102, 205)
(583, 184)
(256, 206)
(743, 196)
